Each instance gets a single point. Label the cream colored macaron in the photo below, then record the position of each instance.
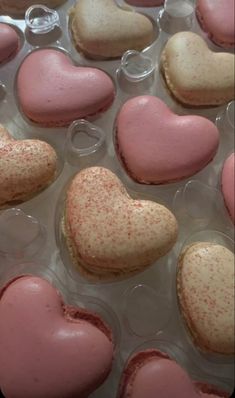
(205, 287)
(110, 235)
(101, 29)
(194, 74)
(26, 168)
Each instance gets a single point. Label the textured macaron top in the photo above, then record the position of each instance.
(217, 19)
(53, 91)
(26, 167)
(108, 232)
(205, 286)
(157, 146)
(9, 42)
(101, 29)
(196, 75)
(48, 348)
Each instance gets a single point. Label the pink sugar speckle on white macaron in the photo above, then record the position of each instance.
(109, 234)
(26, 168)
(205, 286)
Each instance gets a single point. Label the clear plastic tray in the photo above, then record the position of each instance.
(143, 307)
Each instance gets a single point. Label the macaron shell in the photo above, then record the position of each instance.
(62, 355)
(54, 92)
(194, 74)
(26, 167)
(217, 19)
(205, 286)
(129, 235)
(9, 42)
(157, 146)
(18, 7)
(148, 372)
(101, 29)
(228, 185)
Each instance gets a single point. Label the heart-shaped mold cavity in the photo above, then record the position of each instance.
(21, 234)
(83, 140)
(176, 16)
(143, 311)
(40, 19)
(136, 66)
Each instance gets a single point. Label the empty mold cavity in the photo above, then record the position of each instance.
(21, 235)
(176, 16)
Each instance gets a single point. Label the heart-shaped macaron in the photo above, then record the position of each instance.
(217, 19)
(49, 349)
(205, 287)
(26, 167)
(9, 42)
(157, 146)
(110, 235)
(101, 29)
(147, 375)
(18, 7)
(52, 91)
(228, 185)
(194, 74)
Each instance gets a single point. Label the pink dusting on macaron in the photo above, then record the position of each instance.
(228, 185)
(151, 374)
(217, 19)
(157, 146)
(9, 42)
(49, 349)
(52, 91)
(145, 3)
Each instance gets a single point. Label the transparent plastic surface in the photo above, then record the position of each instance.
(41, 19)
(145, 304)
(177, 16)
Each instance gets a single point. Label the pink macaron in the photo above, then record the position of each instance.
(228, 185)
(9, 42)
(217, 20)
(52, 91)
(157, 146)
(47, 348)
(152, 374)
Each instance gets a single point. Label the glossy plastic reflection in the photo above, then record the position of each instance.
(83, 139)
(225, 119)
(40, 19)
(136, 66)
(176, 16)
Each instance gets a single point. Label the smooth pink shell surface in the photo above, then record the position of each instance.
(158, 146)
(53, 91)
(9, 42)
(156, 375)
(145, 3)
(228, 185)
(45, 352)
(217, 19)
